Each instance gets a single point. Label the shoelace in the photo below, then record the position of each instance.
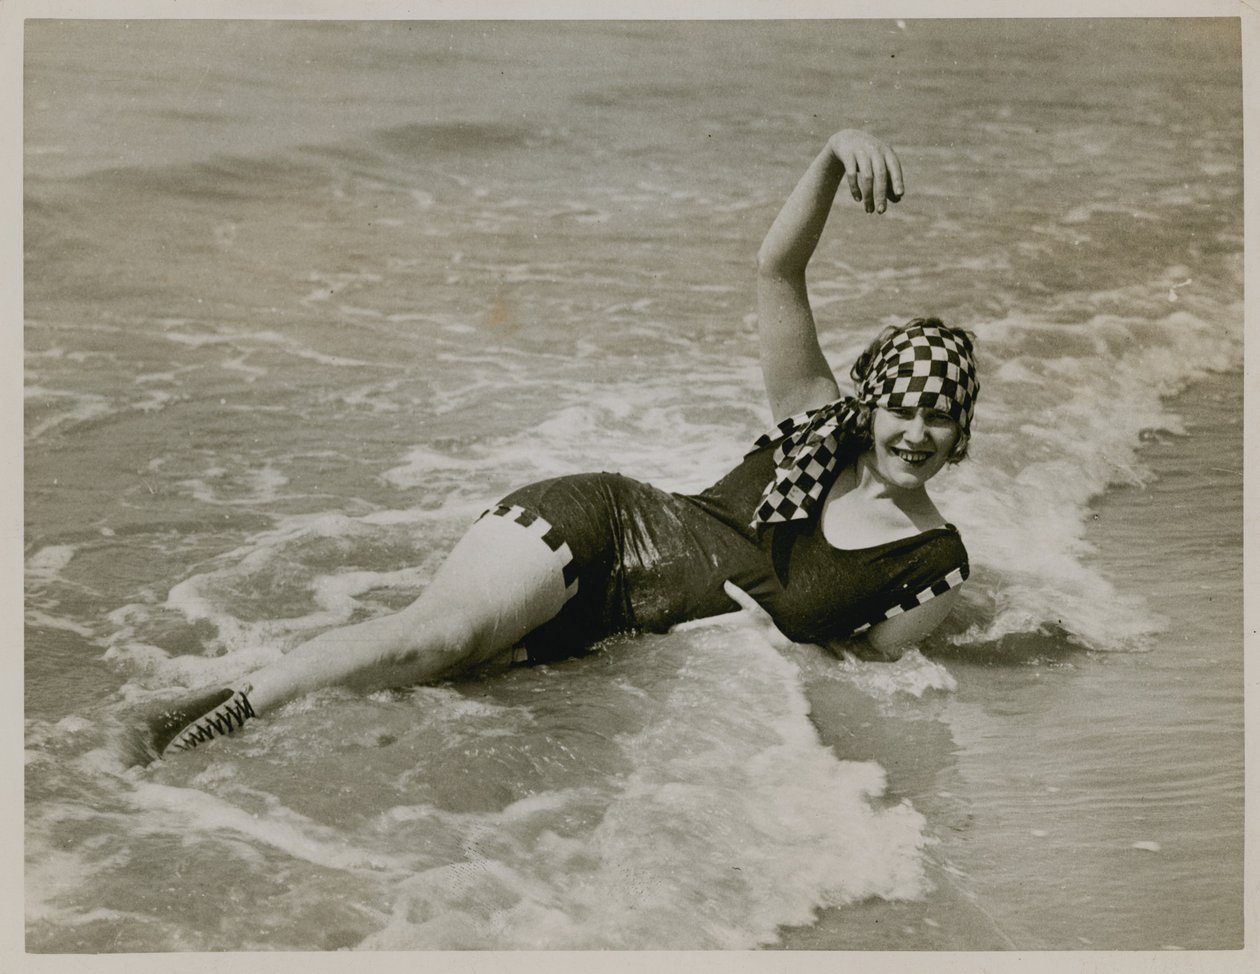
(222, 720)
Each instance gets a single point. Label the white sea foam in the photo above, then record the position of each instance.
(745, 793)
(337, 593)
(1052, 433)
(82, 406)
(48, 620)
(250, 486)
(48, 561)
(180, 810)
(912, 675)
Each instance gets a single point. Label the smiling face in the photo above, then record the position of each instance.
(910, 445)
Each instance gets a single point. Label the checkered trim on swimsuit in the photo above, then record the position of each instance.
(952, 580)
(543, 529)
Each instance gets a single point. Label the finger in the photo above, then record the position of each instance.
(866, 181)
(739, 596)
(896, 180)
(879, 183)
(849, 161)
(893, 195)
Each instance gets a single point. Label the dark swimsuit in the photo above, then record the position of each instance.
(645, 559)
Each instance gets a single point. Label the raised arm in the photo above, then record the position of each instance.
(796, 374)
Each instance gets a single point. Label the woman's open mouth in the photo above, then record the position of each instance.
(912, 457)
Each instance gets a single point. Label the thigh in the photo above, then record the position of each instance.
(502, 580)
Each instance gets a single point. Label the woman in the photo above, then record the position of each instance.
(826, 523)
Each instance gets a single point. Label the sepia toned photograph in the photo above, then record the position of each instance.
(633, 484)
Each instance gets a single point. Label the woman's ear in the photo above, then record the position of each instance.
(959, 452)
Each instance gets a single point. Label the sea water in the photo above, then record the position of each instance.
(302, 299)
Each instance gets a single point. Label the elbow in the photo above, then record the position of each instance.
(773, 265)
(891, 638)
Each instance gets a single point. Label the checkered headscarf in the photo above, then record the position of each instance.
(924, 365)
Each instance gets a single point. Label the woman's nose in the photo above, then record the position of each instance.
(916, 428)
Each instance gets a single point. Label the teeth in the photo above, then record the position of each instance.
(911, 456)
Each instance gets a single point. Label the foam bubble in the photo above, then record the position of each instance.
(50, 560)
(182, 810)
(82, 407)
(912, 675)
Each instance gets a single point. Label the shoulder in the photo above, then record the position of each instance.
(938, 551)
(922, 512)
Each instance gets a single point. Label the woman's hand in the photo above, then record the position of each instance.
(755, 616)
(871, 168)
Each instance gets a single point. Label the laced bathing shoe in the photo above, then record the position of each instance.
(188, 722)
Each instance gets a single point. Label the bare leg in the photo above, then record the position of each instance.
(499, 582)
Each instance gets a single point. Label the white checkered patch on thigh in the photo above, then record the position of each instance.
(542, 529)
